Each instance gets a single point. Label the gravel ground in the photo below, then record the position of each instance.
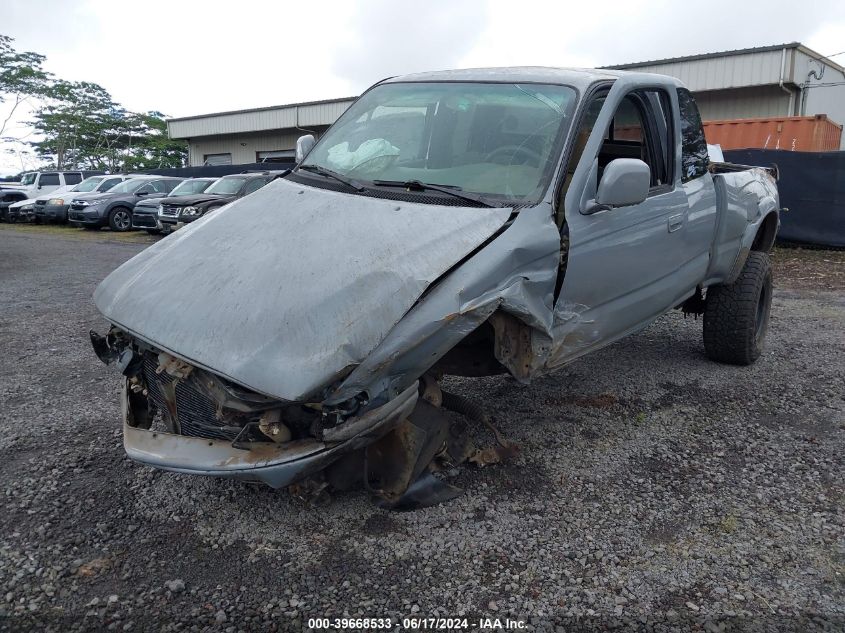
(655, 490)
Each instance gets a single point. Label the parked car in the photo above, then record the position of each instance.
(186, 209)
(145, 215)
(8, 197)
(54, 208)
(467, 222)
(114, 207)
(36, 184)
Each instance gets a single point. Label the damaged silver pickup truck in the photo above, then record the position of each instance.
(467, 223)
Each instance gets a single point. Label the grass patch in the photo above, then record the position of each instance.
(71, 232)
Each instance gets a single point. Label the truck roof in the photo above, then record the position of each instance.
(576, 77)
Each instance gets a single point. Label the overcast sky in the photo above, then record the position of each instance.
(183, 57)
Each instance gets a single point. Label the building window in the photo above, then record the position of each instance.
(275, 156)
(217, 159)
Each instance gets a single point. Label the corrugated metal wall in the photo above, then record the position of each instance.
(719, 73)
(243, 147)
(743, 103)
(259, 120)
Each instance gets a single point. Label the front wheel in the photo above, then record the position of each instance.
(120, 219)
(736, 316)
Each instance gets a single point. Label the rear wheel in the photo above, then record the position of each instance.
(120, 219)
(736, 316)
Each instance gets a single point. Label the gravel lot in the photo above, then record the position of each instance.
(655, 490)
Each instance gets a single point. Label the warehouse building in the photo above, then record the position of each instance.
(253, 136)
(770, 81)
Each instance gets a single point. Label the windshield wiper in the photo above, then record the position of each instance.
(328, 173)
(452, 190)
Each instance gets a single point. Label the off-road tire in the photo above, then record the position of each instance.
(118, 219)
(736, 316)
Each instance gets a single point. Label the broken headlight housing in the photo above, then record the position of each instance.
(190, 211)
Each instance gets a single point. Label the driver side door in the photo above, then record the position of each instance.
(624, 263)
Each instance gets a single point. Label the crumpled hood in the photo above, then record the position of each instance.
(283, 290)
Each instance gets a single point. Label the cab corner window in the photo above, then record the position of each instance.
(694, 157)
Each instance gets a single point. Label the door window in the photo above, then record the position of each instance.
(640, 130)
(48, 180)
(109, 183)
(73, 178)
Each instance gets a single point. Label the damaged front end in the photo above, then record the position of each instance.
(185, 419)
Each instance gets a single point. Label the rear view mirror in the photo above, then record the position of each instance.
(625, 182)
(303, 146)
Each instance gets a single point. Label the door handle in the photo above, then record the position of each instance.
(675, 222)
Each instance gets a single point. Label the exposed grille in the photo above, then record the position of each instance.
(196, 412)
(77, 207)
(170, 210)
(40, 203)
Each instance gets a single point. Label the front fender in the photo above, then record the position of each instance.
(515, 272)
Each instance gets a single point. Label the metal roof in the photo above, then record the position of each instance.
(730, 53)
(263, 109)
(578, 77)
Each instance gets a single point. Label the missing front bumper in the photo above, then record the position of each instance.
(276, 465)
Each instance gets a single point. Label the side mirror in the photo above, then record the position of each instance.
(625, 182)
(303, 146)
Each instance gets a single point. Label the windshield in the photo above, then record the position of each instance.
(128, 186)
(29, 178)
(190, 186)
(89, 184)
(487, 138)
(226, 186)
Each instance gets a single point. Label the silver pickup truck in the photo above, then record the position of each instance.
(467, 222)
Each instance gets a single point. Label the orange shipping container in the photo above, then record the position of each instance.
(793, 133)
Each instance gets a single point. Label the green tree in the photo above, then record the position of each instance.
(82, 127)
(21, 78)
(150, 147)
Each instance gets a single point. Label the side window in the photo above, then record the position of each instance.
(108, 183)
(694, 157)
(639, 131)
(170, 185)
(628, 123)
(148, 188)
(253, 185)
(158, 186)
(48, 180)
(73, 179)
